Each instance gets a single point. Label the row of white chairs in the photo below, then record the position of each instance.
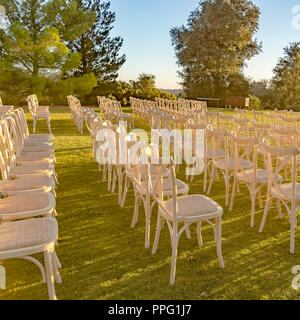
(162, 113)
(27, 197)
(111, 110)
(180, 106)
(77, 112)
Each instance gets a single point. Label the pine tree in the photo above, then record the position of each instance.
(100, 52)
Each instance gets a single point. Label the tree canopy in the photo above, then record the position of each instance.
(286, 78)
(99, 52)
(212, 49)
(37, 48)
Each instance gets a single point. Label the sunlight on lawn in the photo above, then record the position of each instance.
(103, 258)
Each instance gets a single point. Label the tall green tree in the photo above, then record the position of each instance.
(100, 52)
(33, 47)
(144, 88)
(286, 78)
(33, 40)
(212, 49)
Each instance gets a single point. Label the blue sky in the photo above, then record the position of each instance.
(144, 25)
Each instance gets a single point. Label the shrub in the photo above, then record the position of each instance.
(255, 102)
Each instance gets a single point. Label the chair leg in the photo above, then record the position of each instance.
(55, 269)
(260, 199)
(174, 257)
(49, 275)
(226, 191)
(292, 237)
(148, 221)
(104, 172)
(56, 259)
(267, 208)
(253, 199)
(219, 242)
(188, 233)
(49, 126)
(120, 181)
(211, 179)
(126, 186)
(34, 124)
(136, 211)
(279, 209)
(233, 194)
(205, 178)
(157, 234)
(109, 177)
(199, 234)
(114, 178)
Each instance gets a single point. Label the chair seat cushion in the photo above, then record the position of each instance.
(153, 171)
(261, 176)
(46, 136)
(42, 110)
(219, 154)
(37, 156)
(26, 205)
(182, 188)
(28, 182)
(231, 164)
(27, 233)
(38, 147)
(195, 206)
(33, 167)
(286, 191)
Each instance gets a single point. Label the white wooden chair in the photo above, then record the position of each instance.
(187, 210)
(38, 112)
(254, 178)
(225, 165)
(24, 238)
(287, 193)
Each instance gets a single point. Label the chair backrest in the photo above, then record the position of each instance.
(261, 130)
(245, 148)
(4, 152)
(32, 102)
(241, 126)
(23, 121)
(288, 158)
(292, 122)
(75, 106)
(275, 119)
(213, 119)
(240, 113)
(258, 116)
(90, 118)
(9, 143)
(220, 140)
(15, 135)
(156, 187)
(226, 122)
(282, 113)
(7, 156)
(284, 136)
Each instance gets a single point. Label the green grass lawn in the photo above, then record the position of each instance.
(103, 258)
